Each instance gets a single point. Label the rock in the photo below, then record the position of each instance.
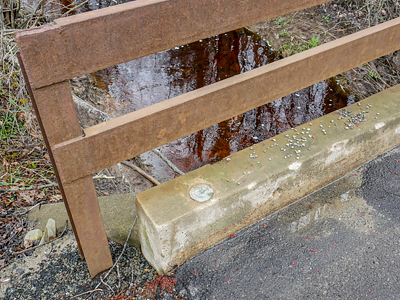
(32, 236)
(50, 231)
(396, 61)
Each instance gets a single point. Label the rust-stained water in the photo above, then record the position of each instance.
(164, 75)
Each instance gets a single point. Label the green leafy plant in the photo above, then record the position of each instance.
(278, 22)
(289, 48)
(373, 74)
(10, 125)
(284, 32)
(314, 42)
(326, 19)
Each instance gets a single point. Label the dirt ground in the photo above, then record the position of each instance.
(302, 30)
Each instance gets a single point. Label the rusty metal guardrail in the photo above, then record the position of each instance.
(80, 44)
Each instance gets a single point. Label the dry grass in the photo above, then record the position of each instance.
(24, 159)
(378, 11)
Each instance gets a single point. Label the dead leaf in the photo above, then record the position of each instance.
(55, 198)
(27, 196)
(40, 195)
(21, 115)
(5, 163)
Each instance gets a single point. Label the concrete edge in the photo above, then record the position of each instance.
(118, 212)
(259, 180)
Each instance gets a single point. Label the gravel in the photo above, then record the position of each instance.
(63, 274)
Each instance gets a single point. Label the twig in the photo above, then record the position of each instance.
(92, 291)
(28, 210)
(119, 277)
(97, 112)
(107, 285)
(44, 186)
(169, 163)
(113, 181)
(105, 117)
(2, 30)
(33, 248)
(12, 13)
(34, 14)
(119, 257)
(14, 234)
(10, 31)
(141, 172)
(103, 177)
(30, 188)
(124, 179)
(75, 8)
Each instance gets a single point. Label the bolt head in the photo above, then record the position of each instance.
(201, 192)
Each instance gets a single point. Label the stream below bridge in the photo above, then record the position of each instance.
(161, 76)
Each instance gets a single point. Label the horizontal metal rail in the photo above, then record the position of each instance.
(74, 46)
(113, 141)
(92, 41)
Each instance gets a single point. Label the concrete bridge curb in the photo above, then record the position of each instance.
(118, 212)
(262, 179)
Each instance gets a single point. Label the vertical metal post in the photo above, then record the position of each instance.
(58, 121)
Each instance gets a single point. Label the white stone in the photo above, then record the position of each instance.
(51, 229)
(33, 235)
(50, 232)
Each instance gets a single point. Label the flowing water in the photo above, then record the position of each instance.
(158, 77)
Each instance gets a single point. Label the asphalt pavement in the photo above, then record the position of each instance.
(341, 242)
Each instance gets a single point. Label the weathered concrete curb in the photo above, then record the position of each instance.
(258, 181)
(118, 213)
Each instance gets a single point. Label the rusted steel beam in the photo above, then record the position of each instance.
(84, 208)
(127, 136)
(52, 138)
(121, 33)
(58, 121)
